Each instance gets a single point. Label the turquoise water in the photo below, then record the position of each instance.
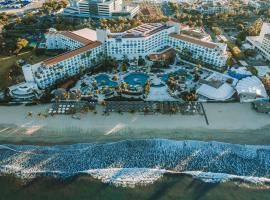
(157, 86)
(104, 79)
(136, 79)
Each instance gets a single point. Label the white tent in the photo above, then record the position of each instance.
(251, 86)
(224, 92)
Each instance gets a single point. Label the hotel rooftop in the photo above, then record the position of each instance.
(49, 62)
(143, 30)
(84, 36)
(194, 40)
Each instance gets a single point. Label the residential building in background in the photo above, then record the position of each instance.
(208, 7)
(261, 43)
(101, 9)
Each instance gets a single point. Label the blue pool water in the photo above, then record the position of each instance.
(165, 77)
(189, 77)
(136, 79)
(104, 79)
(157, 86)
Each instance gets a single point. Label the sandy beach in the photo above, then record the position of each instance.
(226, 122)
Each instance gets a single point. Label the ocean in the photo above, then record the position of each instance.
(169, 187)
(135, 169)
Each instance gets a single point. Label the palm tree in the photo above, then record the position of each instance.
(104, 103)
(115, 77)
(29, 114)
(66, 95)
(78, 95)
(82, 70)
(197, 68)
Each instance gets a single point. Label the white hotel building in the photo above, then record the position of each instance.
(85, 45)
(140, 41)
(151, 38)
(261, 43)
(81, 53)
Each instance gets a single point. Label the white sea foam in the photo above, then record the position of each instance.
(129, 163)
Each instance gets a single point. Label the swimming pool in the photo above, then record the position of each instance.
(136, 79)
(165, 77)
(158, 86)
(104, 79)
(189, 77)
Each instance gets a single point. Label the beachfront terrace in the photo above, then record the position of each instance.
(152, 107)
(71, 107)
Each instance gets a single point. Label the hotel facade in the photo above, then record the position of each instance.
(86, 45)
(147, 39)
(82, 52)
(261, 43)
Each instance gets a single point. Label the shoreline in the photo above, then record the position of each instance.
(228, 122)
(142, 162)
(143, 177)
(180, 186)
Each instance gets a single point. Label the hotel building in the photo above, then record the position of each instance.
(210, 53)
(139, 41)
(261, 43)
(149, 39)
(84, 46)
(82, 52)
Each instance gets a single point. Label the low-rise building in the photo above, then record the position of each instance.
(209, 7)
(25, 91)
(216, 88)
(251, 89)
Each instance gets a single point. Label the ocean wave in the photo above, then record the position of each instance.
(132, 162)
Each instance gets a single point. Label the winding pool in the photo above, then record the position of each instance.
(165, 77)
(104, 79)
(136, 79)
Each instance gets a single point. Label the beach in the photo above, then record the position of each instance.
(228, 122)
(125, 155)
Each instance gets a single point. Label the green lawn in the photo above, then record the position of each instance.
(6, 63)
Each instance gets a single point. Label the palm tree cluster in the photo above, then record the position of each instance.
(120, 24)
(53, 6)
(147, 87)
(188, 96)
